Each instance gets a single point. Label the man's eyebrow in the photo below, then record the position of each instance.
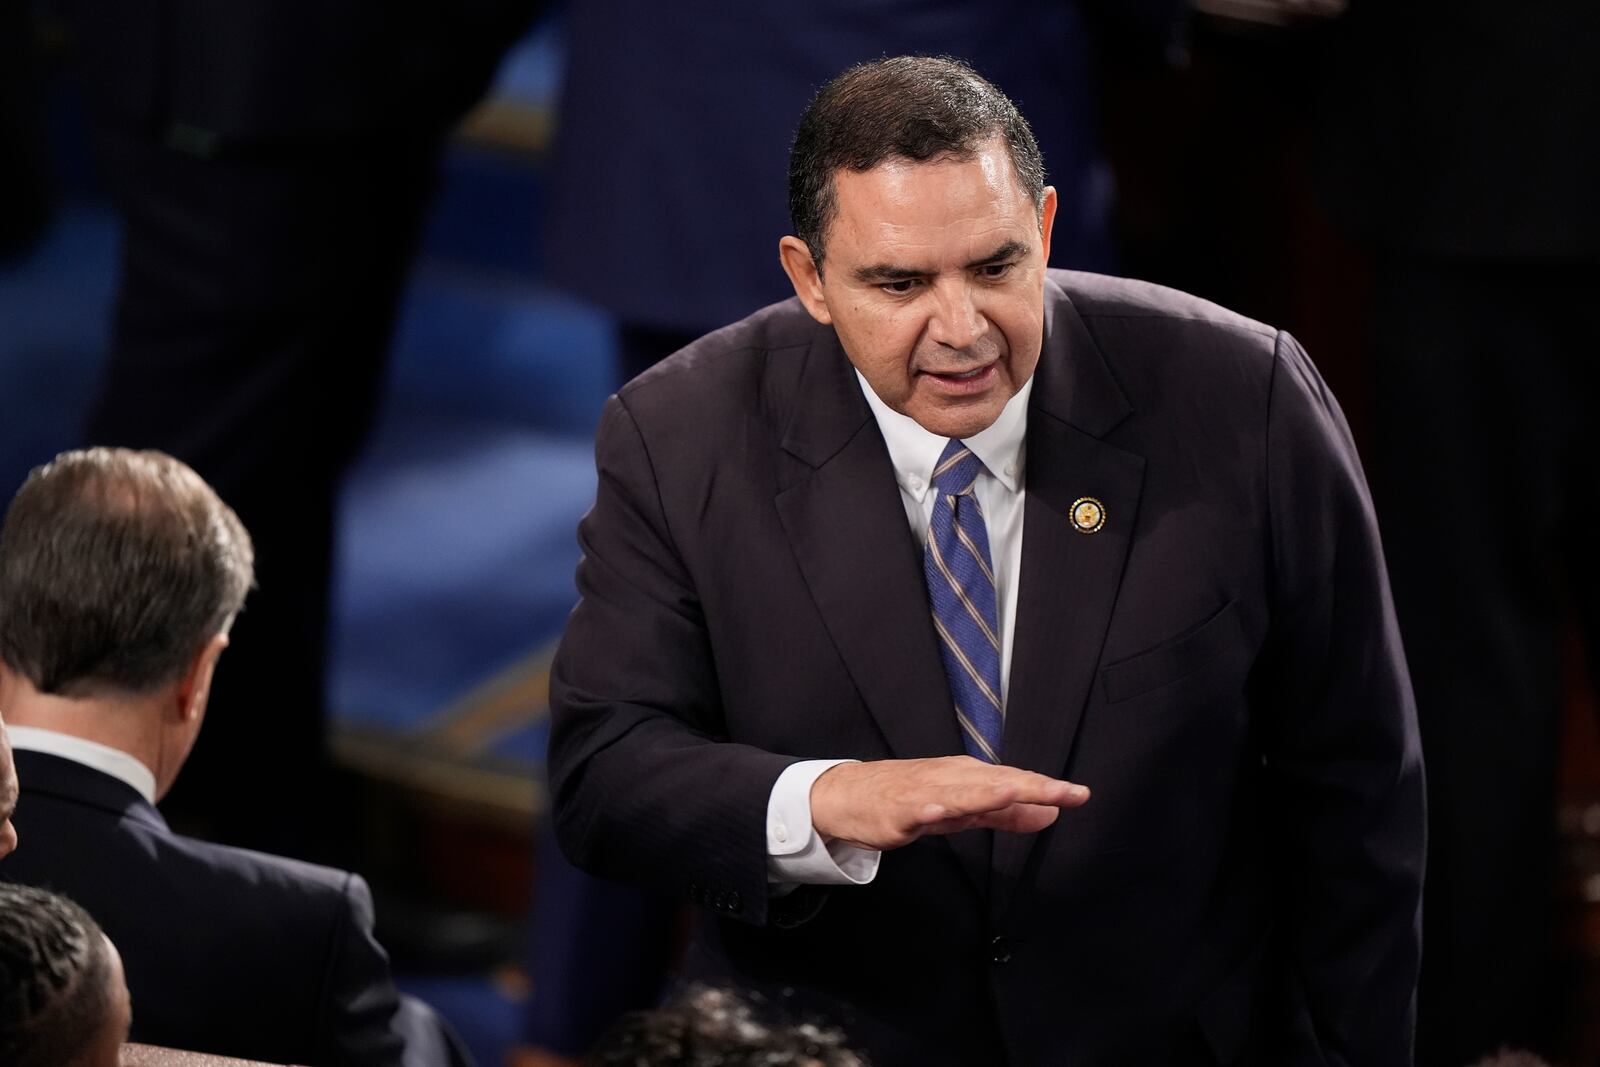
(889, 272)
(885, 272)
(1009, 250)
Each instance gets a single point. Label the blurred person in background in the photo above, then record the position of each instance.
(271, 162)
(25, 200)
(1460, 146)
(120, 576)
(675, 122)
(63, 1000)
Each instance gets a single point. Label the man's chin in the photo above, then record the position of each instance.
(961, 419)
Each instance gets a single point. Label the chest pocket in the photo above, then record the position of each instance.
(1173, 660)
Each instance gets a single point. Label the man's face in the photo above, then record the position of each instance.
(933, 277)
(8, 794)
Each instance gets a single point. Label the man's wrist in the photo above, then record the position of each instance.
(796, 853)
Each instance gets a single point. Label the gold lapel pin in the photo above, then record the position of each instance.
(1088, 515)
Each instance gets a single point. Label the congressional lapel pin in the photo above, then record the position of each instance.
(1088, 515)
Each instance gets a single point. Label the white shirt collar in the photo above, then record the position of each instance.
(113, 761)
(914, 451)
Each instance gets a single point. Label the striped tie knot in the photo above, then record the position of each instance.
(957, 470)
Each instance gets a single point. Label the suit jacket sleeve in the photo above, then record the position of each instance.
(359, 1003)
(646, 785)
(1339, 740)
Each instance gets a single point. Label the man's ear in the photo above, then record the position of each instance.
(803, 274)
(194, 689)
(1047, 220)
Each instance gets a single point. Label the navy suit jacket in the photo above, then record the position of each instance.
(1219, 663)
(230, 952)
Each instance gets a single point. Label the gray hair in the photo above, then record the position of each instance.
(116, 567)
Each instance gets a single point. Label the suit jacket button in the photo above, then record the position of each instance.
(733, 900)
(1000, 950)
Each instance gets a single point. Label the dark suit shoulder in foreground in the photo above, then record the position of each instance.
(227, 951)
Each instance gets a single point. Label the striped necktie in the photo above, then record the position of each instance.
(961, 590)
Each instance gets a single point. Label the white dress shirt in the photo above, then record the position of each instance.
(795, 852)
(113, 761)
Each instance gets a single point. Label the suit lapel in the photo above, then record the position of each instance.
(840, 507)
(1069, 580)
(848, 530)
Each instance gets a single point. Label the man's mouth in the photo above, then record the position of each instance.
(973, 377)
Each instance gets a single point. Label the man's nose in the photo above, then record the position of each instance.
(957, 322)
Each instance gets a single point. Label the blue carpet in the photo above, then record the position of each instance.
(457, 553)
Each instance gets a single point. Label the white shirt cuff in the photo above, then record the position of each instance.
(796, 853)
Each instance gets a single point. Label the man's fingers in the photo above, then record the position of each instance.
(1014, 818)
(890, 803)
(1038, 789)
(950, 826)
(1011, 787)
(1020, 818)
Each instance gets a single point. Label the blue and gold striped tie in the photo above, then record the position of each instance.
(961, 590)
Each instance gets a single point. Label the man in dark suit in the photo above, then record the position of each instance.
(1096, 535)
(120, 576)
(635, 69)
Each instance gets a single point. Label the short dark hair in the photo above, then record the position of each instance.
(115, 568)
(910, 107)
(55, 976)
(716, 1028)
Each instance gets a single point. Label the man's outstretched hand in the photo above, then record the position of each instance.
(885, 804)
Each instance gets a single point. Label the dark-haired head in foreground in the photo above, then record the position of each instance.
(63, 1001)
(716, 1028)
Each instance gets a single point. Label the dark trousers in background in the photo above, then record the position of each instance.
(256, 302)
(1485, 407)
(25, 198)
